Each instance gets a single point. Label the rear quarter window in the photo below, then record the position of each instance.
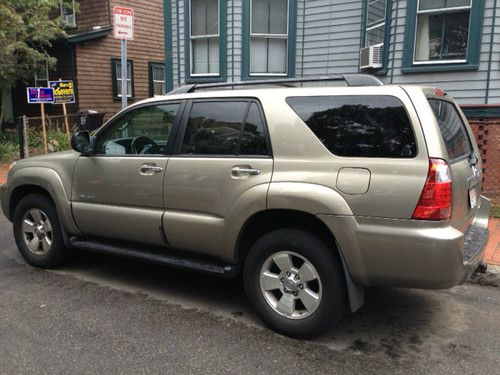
(452, 128)
(358, 126)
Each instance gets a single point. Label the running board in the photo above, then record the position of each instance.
(157, 256)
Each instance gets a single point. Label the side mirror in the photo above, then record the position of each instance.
(80, 142)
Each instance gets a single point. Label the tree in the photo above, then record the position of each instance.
(27, 29)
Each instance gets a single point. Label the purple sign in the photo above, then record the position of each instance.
(40, 95)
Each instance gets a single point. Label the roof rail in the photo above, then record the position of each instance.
(352, 80)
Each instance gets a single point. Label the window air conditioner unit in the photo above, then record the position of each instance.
(371, 57)
(69, 20)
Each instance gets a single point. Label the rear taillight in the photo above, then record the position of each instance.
(435, 200)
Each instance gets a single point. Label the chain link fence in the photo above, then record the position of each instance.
(38, 136)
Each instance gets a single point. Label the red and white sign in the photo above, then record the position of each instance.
(123, 23)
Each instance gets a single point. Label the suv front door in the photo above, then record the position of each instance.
(117, 191)
(218, 174)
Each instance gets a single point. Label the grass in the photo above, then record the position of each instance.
(9, 147)
(495, 211)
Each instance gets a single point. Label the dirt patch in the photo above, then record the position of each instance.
(486, 279)
(4, 169)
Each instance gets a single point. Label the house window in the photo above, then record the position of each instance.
(68, 13)
(442, 30)
(157, 79)
(116, 75)
(443, 35)
(42, 75)
(268, 37)
(204, 36)
(375, 22)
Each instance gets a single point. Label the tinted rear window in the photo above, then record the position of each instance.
(359, 126)
(452, 128)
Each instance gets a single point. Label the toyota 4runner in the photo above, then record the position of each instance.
(311, 193)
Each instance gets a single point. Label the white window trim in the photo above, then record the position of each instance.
(73, 25)
(375, 25)
(119, 80)
(269, 36)
(46, 73)
(438, 11)
(153, 80)
(208, 36)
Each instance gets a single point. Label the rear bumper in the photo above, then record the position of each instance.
(410, 253)
(3, 200)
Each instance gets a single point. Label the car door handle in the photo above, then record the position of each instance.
(244, 170)
(149, 169)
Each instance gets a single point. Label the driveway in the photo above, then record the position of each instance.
(101, 314)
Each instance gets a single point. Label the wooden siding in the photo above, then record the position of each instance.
(92, 13)
(93, 58)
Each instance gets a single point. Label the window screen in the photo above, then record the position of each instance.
(375, 22)
(268, 36)
(204, 37)
(442, 30)
(224, 128)
(359, 126)
(452, 128)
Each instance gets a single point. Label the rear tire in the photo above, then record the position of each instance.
(38, 233)
(295, 283)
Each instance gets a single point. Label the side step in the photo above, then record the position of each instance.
(158, 256)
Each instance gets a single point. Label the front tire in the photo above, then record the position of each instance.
(295, 283)
(38, 233)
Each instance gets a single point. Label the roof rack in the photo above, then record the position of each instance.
(352, 80)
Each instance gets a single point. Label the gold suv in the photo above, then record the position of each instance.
(311, 193)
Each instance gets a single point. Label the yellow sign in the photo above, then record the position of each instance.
(63, 91)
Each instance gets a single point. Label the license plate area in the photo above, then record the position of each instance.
(472, 198)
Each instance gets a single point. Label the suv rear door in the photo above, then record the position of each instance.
(463, 158)
(222, 157)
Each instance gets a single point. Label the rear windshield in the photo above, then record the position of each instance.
(358, 126)
(452, 128)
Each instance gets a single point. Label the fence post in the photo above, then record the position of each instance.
(25, 136)
(20, 138)
(22, 131)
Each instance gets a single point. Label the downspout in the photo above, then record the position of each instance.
(395, 38)
(178, 44)
(167, 32)
(491, 51)
(303, 36)
(232, 40)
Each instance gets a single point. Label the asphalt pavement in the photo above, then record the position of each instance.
(101, 314)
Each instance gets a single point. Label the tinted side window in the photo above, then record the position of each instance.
(141, 131)
(253, 138)
(452, 128)
(360, 126)
(220, 128)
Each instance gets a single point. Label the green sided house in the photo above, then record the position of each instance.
(452, 44)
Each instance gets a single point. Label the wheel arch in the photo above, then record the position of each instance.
(44, 181)
(21, 191)
(273, 219)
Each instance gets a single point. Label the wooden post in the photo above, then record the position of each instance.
(44, 130)
(65, 113)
